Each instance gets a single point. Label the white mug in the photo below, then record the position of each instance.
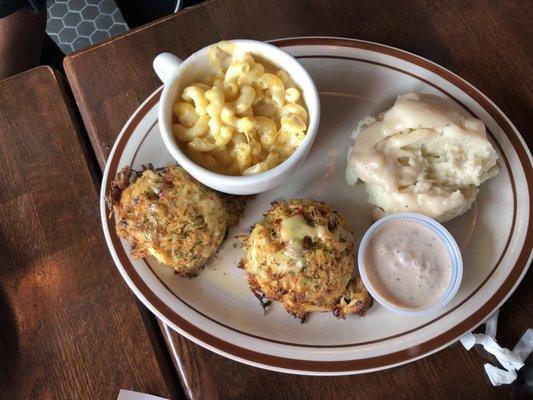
(177, 74)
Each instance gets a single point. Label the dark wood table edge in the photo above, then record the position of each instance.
(67, 61)
(151, 324)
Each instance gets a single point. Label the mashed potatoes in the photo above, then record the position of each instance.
(426, 154)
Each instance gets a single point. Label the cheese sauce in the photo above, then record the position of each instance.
(408, 264)
(294, 229)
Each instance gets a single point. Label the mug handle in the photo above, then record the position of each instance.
(164, 65)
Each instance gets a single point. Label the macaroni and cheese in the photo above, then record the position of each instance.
(244, 118)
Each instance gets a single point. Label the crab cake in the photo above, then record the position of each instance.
(168, 214)
(302, 255)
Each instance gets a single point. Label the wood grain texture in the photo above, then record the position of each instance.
(452, 373)
(69, 326)
(482, 41)
(485, 42)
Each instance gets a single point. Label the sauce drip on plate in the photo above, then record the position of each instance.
(408, 264)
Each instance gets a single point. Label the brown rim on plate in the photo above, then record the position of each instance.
(347, 365)
(472, 293)
(504, 251)
(346, 344)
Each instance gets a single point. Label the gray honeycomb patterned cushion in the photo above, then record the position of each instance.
(75, 24)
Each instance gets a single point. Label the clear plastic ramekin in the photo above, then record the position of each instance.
(453, 251)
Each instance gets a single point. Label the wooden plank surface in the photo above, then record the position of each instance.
(452, 373)
(69, 326)
(485, 42)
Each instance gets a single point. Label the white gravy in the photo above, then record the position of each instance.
(408, 264)
(387, 153)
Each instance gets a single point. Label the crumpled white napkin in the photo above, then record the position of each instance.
(131, 395)
(512, 361)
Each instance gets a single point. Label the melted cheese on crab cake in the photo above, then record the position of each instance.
(302, 255)
(426, 154)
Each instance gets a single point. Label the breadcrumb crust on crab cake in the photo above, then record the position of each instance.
(302, 255)
(166, 213)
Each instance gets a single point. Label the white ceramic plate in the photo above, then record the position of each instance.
(217, 310)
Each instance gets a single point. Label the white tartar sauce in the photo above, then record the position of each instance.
(408, 264)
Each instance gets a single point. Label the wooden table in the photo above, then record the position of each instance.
(89, 323)
(69, 326)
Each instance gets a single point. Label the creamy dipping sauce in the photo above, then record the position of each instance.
(408, 264)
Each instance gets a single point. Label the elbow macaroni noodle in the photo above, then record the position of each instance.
(242, 119)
